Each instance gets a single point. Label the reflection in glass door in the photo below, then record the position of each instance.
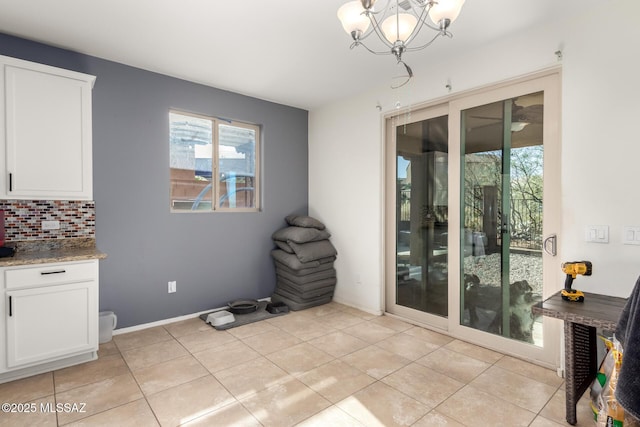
(422, 216)
(501, 217)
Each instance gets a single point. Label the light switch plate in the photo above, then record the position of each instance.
(597, 233)
(631, 235)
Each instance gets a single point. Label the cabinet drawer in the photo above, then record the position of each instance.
(46, 274)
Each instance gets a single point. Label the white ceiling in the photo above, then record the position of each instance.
(293, 52)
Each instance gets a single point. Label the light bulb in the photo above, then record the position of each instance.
(398, 27)
(445, 9)
(352, 17)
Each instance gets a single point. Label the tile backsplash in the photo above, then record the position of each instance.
(23, 219)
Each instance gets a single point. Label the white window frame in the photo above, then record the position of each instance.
(215, 160)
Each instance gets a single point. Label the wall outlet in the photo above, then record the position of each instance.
(51, 225)
(172, 287)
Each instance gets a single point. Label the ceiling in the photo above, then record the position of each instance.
(292, 52)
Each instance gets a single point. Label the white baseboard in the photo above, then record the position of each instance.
(171, 320)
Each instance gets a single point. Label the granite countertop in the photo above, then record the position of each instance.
(50, 251)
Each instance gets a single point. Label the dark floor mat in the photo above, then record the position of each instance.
(244, 319)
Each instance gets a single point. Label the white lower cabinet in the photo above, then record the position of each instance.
(50, 317)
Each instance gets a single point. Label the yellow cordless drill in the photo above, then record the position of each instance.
(572, 269)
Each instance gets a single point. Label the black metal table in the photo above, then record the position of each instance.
(580, 342)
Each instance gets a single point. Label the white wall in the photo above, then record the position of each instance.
(600, 147)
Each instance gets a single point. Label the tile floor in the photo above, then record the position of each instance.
(330, 365)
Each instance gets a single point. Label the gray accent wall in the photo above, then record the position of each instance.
(214, 257)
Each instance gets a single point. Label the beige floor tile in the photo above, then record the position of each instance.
(515, 388)
(423, 384)
(391, 323)
(169, 374)
(292, 316)
(203, 340)
(339, 306)
(186, 327)
(370, 332)
(90, 372)
(271, 342)
(474, 407)
(218, 358)
(359, 313)
(543, 422)
(375, 361)
(285, 404)
(538, 373)
(108, 348)
(141, 338)
(251, 329)
(27, 389)
(234, 415)
(251, 377)
(300, 358)
(336, 380)
(338, 343)
(381, 405)
(324, 309)
(435, 419)
(340, 320)
(456, 365)
(36, 413)
(149, 355)
(407, 346)
(188, 401)
(305, 327)
(555, 410)
(133, 414)
(474, 351)
(98, 397)
(333, 417)
(428, 336)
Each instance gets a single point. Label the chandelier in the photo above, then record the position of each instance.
(398, 24)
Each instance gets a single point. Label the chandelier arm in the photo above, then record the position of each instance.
(375, 52)
(421, 21)
(416, 48)
(378, 31)
(425, 22)
(381, 11)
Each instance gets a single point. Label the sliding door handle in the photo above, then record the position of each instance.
(550, 245)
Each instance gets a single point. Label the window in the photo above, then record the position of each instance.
(213, 164)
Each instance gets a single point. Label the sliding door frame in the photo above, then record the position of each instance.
(548, 81)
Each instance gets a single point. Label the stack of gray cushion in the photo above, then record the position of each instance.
(305, 276)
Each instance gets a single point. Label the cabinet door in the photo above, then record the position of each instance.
(48, 134)
(51, 322)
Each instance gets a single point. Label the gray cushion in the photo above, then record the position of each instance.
(292, 261)
(313, 251)
(284, 246)
(304, 221)
(300, 234)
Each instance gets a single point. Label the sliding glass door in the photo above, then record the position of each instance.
(502, 204)
(420, 239)
(471, 196)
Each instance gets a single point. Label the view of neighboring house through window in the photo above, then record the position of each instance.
(213, 163)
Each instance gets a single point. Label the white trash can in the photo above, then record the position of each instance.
(108, 322)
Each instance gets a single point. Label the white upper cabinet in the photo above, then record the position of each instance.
(45, 138)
